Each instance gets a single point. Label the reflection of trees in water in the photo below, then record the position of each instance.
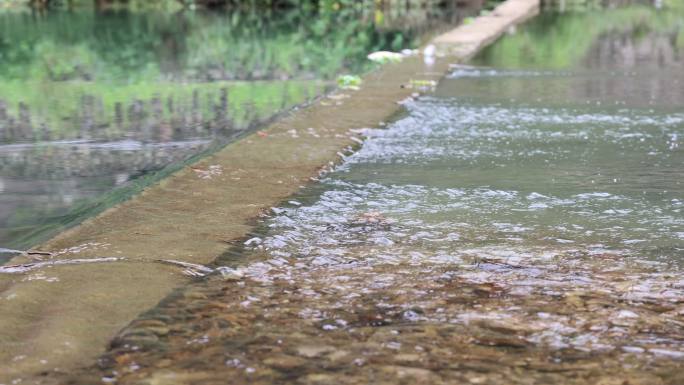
(419, 17)
(83, 160)
(201, 115)
(634, 48)
(54, 169)
(654, 55)
(46, 188)
(141, 135)
(635, 54)
(144, 135)
(561, 40)
(598, 4)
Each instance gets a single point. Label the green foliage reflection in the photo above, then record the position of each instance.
(560, 40)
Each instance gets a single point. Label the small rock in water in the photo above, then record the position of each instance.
(627, 314)
(285, 362)
(372, 218)
(420, 376)
(667, 353)
(338, 355)
(407, 358)
(255, 240)
(311, 351)
(633, 349)
(229, 274)
(411, 315)
(319, 379)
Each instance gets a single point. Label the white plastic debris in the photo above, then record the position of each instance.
(383, 57)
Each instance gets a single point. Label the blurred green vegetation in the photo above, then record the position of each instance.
(50, 61)
(176, 4)
(560, 40)
(202, 46)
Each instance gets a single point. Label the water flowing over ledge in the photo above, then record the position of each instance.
(190, 217)
(471, 240)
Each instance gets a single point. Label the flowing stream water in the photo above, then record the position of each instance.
(522, 224)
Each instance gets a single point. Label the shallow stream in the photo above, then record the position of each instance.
(522, 224)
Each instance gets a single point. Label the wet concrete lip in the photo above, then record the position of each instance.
(192, 216)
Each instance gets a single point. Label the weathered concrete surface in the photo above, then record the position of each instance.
(60, 317)
(465, 41)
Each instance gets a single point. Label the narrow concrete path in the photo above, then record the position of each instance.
(61, 316)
